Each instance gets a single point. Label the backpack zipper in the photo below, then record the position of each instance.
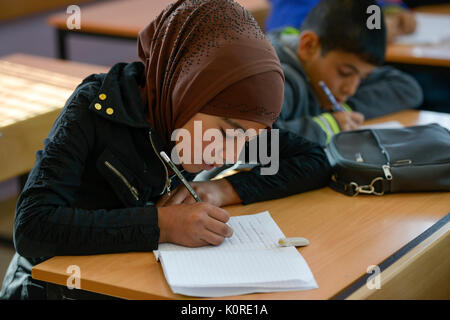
(387, 171)
(387, 167)
(132, 189)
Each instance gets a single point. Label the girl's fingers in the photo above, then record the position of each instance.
(189, 200)
(212, 238)
(219, 228)
(162, 201)
(177, 196)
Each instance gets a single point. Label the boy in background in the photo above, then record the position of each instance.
(334, 45)
(284, 13)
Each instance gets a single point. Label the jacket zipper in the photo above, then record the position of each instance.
(132, 189)
(168, 181)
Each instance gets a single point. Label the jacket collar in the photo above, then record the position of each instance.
(286, 46)
(118, 98)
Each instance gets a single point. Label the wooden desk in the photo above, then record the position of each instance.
(124, 19)
(23, 8)
(420, 55)
(347, 235)
(24, 120)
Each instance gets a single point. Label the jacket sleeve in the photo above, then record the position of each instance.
(386, 90)
(318, 128)
(47, 223)
(302, 166)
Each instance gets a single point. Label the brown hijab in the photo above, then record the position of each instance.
(208, 56)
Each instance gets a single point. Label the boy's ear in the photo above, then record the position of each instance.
(308, 46)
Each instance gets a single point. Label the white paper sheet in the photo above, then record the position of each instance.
(256, 231)
(437, 52)
(431, 29)
(427, 117)
(383, 125)
(249, 261)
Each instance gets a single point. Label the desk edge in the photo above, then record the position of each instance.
(394, 257)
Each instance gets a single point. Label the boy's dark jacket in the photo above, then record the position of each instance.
(384, 91)
(93, 187)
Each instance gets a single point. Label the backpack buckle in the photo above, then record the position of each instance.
(367, 189)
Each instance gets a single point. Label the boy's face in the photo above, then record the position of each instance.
(341, 71)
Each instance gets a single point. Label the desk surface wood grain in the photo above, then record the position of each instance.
(126, 18)
(71, 68)
(21, 138)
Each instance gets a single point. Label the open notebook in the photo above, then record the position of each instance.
(250, 261)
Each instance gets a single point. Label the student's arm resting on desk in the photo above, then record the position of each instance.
(303, 166)
(47, 224)
(386, 90)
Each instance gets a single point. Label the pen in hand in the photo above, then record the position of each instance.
(326, 90)
(180, 176)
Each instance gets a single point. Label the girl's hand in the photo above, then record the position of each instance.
(217, 192)
(193, 225)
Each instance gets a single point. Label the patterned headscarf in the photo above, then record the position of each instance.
(208, 56)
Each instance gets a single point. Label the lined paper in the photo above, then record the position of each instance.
(257, 231)
(249, 261)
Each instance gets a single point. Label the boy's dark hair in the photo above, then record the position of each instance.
(342, 25)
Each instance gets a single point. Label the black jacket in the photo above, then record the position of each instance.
(93, 187)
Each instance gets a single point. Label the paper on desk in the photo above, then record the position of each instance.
(222, 273)
(383, 125)
(249, 261)
(438, 52)
(431, 29)
(427, 117)
(424, 118)
(256, 231)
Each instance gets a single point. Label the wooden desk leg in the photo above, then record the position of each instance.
(61, 40)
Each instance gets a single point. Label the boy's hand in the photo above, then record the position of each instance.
(348, 120)
(407, 22)
(193, 225)
(399, 24)
(217, 192)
